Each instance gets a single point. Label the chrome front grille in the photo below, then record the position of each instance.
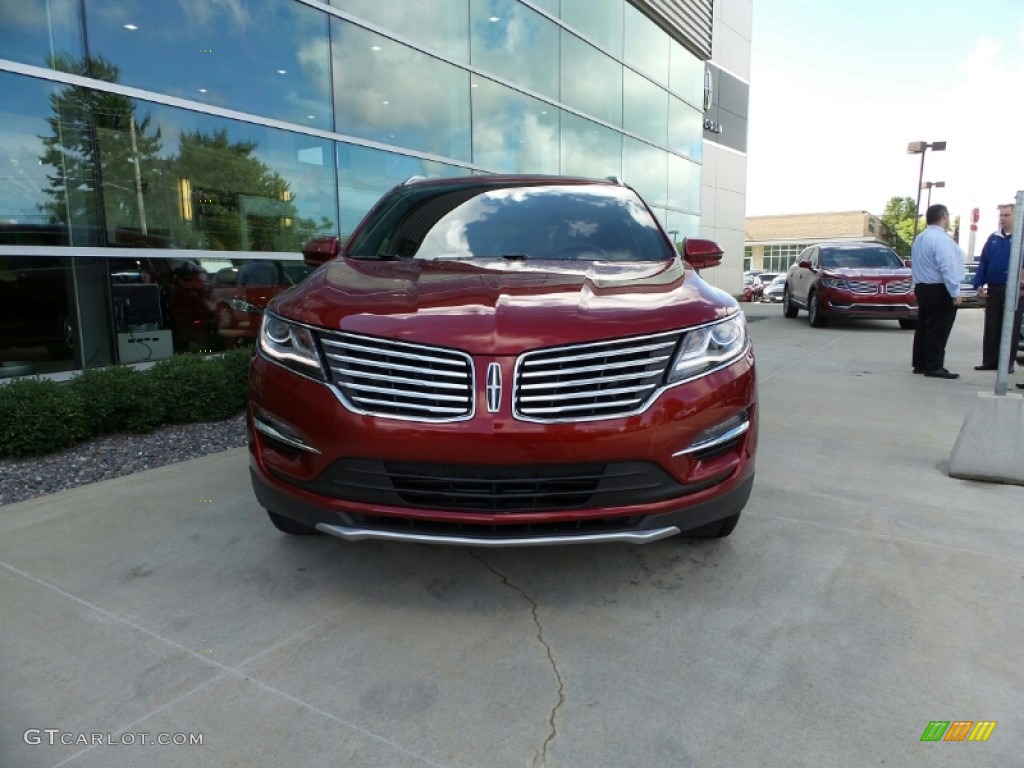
(899, 287)
(399, 380)
(862, 287)
(591, 381)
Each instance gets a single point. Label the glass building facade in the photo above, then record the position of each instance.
(162, 163)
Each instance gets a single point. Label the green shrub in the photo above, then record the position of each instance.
(193, 389)
(39, 416)
(235, 366)
(119, 399)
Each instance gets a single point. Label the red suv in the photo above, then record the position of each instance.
(850, 279)
(501, 361)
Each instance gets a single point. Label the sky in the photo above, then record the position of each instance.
(838, 89)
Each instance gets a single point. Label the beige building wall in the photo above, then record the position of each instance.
(842, 225)
(770, 240)
(724, 170)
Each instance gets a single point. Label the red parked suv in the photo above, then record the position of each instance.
(850, 279)
(500, 361)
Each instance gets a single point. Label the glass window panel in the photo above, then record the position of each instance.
(645, 168)
(591, 81)
(47, 160)
(186, 180)
(515, 43)
(645, 108)
(512, 132)
(377, 97)
(588, 149)
(600, 20)
(262, 56)
(365, 174)
(681, 226)
(685, 129)
(45, 33)
(683, 184)
(687, 75)
(439, 24)
(36, 294)
(646, 46)
(551, 6)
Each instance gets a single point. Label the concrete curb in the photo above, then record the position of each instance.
(990, 446)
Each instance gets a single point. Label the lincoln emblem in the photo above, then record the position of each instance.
(493, 387)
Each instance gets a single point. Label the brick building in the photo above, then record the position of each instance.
(772, 243)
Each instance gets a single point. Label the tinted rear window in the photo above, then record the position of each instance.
(577, 222)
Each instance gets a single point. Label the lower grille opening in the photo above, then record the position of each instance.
(497, 489)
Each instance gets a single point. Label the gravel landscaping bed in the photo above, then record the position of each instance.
(114, 456)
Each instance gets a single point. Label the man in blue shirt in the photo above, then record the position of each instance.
(993, 266)
(937, 267)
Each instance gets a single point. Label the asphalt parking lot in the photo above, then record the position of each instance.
(864, 594)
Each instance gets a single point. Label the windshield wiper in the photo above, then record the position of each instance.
(514, 256)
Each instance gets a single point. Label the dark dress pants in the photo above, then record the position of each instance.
(936, 313)
(994, 306)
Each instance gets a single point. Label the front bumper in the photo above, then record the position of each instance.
(336, 469)
(837, 303)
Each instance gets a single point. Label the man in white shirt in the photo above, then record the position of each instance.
(937, 266)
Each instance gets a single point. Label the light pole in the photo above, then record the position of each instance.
(919, 148)
(929, 185)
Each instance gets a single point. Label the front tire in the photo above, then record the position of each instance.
(814, 315)
(287, 525)
(789, 309)
(908, 324)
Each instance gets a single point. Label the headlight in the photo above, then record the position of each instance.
(710, 347)
(244, 306)
(832, 282)
(290, 345)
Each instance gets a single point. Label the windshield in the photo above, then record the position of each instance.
(868, 257)
(584, 222)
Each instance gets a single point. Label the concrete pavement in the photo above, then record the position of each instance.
(864, 594)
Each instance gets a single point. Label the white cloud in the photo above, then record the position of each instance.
(816, 148)
(203, 13)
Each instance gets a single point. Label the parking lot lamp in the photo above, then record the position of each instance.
(929, 185)
(919, 148)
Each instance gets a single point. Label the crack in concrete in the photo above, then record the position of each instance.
(540, 756)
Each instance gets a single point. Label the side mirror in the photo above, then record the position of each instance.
(906, 262)
(701, 253)
(805, 264)
(321, 250)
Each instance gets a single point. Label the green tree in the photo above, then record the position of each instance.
(238, 202)
(96, 139)
(899, 216)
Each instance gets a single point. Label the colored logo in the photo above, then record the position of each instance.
(958, 730)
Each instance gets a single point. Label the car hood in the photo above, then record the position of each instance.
(847, 273)
(503, 307)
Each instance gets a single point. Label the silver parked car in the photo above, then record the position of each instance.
(774, 291)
